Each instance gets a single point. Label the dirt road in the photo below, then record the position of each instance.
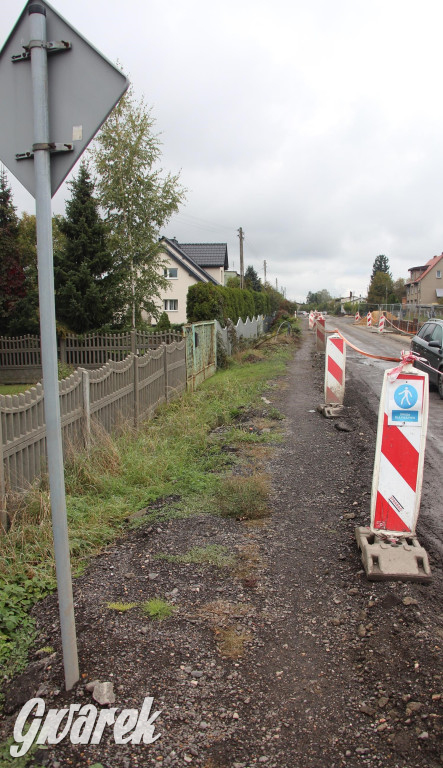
(332, 671)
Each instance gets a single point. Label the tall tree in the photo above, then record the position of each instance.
(380, 290)
(12, 275)
(381, 285)
(83, 264)
(138, 201)
(320, 299)
(25, 317)
(381, 264)
(252, 280)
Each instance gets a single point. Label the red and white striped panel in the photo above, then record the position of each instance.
(321, 334)
(368, 319)
(311, 320)
(381, 324)
(398, 466)
(335, 364)
(357, 317)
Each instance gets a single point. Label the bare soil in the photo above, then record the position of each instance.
(288, 658)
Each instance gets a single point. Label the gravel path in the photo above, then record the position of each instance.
(290, 659)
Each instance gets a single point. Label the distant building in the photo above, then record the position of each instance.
(425, 284)
(230, 274)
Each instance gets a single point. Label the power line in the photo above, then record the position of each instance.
(195, 221)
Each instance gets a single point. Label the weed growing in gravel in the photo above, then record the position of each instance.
(158, 609)
(231, 642)
(230, 638)
(275, 414)
(121, 607)
(244, 497)
(213, 554)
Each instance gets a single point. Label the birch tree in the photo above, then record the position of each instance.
(137, 199)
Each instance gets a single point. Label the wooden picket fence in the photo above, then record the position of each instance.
(122, 391)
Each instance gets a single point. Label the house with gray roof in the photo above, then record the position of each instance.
(186, 264)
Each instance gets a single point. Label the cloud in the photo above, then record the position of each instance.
(314, 126)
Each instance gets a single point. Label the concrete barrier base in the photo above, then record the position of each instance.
(393, 559)
(331, 410)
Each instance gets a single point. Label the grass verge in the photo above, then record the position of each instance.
(172, 456)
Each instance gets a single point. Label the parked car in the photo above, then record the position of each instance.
(428, 343)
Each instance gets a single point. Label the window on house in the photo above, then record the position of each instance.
(171, 273)
(170, 305)
(438, 274)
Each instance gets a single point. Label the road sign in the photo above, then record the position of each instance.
(335, 365)
(406, 402)
(321, 334)
(399, 453)
(83, 88)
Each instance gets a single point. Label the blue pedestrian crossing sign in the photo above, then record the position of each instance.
(406, 396)
(405, 402)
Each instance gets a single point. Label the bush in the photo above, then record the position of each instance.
(217, 302)
(164, 323)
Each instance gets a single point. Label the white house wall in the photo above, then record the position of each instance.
(218, 273)
(177, 290)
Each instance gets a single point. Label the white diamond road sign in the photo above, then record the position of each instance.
(83, 88)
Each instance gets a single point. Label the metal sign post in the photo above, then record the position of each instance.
(51, 109)
(39, 73)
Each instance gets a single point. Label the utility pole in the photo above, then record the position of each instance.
(264, 270)
(242, 267)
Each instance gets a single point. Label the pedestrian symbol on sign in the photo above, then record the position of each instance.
(406, 396)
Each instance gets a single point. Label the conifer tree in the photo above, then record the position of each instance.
(12, 276)
(381, 264)
(83, 264)
(381, 285)
(252, 280)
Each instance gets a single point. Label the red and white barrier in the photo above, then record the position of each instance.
(381, 323)
(399, 453)
(311, 320)
(335, 365)
(321, 334)
(369, 320)
(357, 317)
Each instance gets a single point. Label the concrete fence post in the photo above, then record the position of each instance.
(3, 517)
(134, 342)
(165, 367)
(136, 376)
(62, 343)
(135, 361)
(86, 408)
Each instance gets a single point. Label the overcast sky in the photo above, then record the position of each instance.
(315, 125)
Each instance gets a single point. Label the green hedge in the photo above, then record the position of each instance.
(206, 301)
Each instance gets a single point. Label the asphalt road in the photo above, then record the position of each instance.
(367, 374)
